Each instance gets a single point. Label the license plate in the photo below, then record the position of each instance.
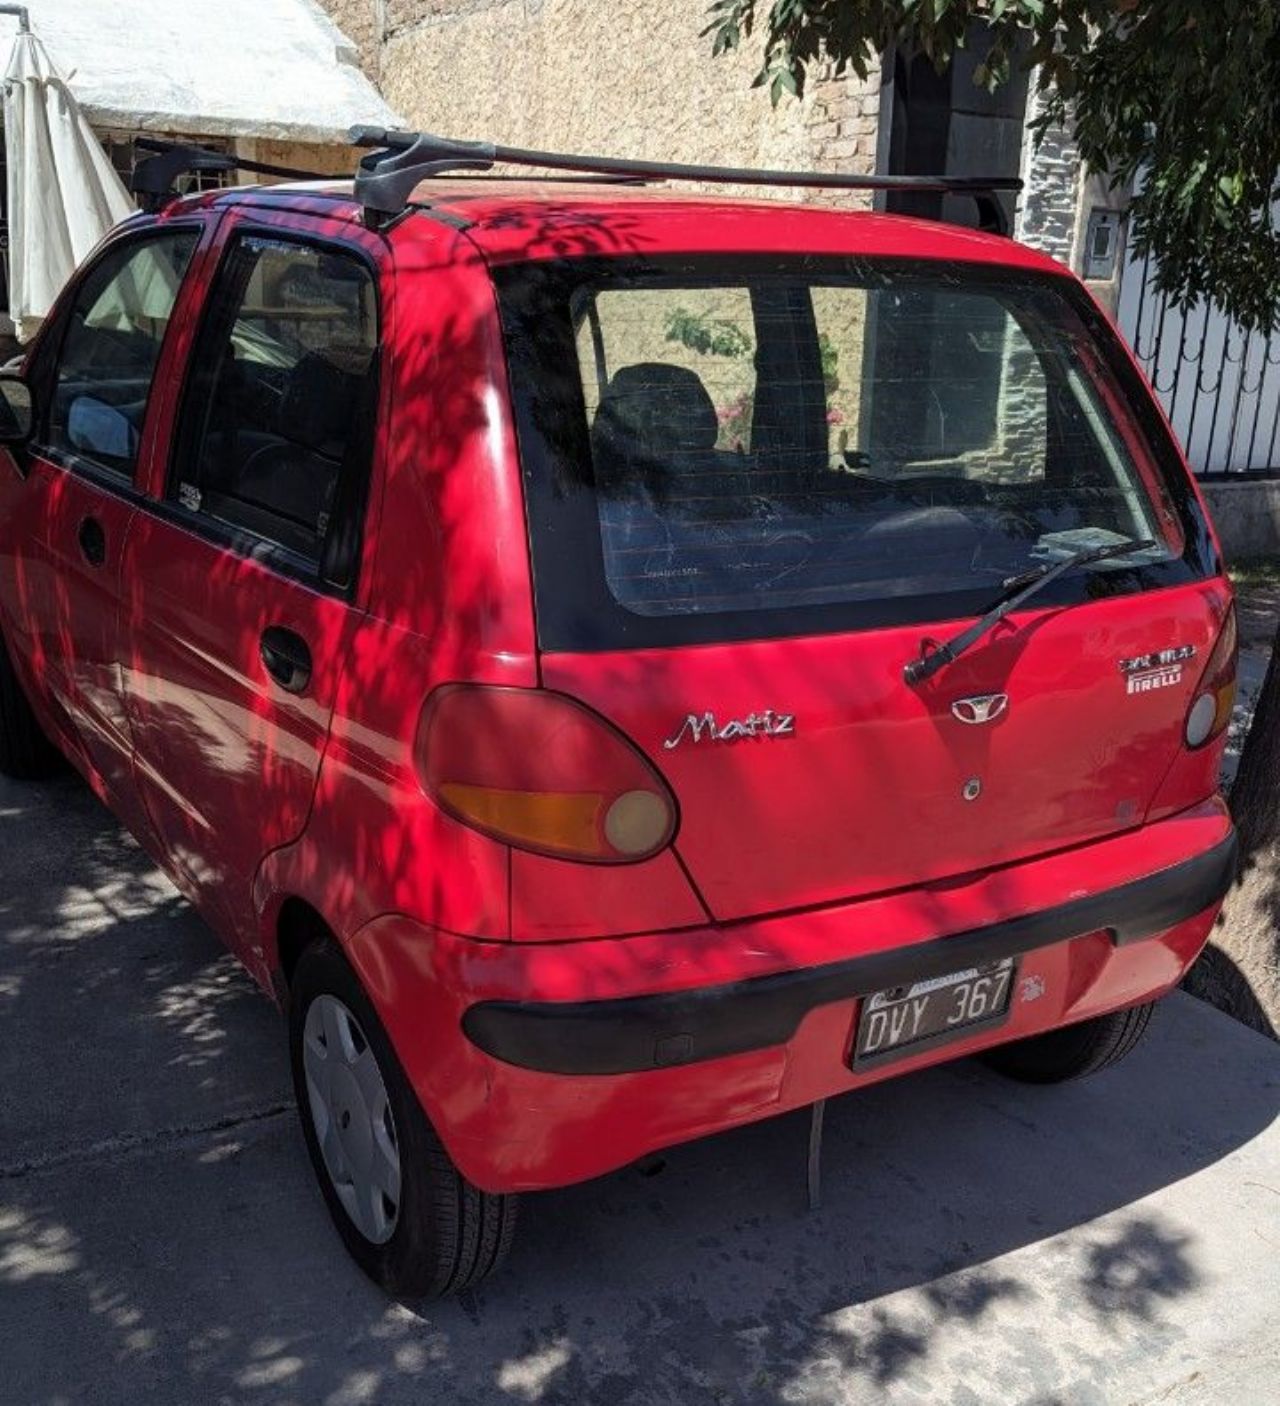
(908, 1019)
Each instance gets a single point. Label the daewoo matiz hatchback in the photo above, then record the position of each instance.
(617, 665)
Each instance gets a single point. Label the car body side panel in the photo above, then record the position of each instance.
(226, 760)
(72, 607)
(63, 610)
(553, 900)
(448, 599)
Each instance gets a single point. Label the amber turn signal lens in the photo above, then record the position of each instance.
(559, 820)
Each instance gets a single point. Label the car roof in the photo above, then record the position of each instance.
(518, 220)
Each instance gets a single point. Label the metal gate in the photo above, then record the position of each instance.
(1219, 385)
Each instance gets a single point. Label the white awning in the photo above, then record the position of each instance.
(63, 194)
(234, 68)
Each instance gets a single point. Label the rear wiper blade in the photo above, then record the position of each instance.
(1017, 590)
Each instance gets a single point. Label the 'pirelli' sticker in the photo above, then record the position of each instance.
(1163, 669)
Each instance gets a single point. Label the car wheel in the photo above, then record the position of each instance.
(26, 754)
(410, 1219)
(1074, 1051)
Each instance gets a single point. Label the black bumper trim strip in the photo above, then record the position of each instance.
(633, 1033)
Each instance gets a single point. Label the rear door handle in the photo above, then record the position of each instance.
(287, 658)
(93, 541)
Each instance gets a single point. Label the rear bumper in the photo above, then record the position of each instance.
(545, 1064)
(633, 1033)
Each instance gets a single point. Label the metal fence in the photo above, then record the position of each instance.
(1219, 384)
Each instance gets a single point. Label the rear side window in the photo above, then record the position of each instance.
(115, 329)
(774, 452)
(275, 430)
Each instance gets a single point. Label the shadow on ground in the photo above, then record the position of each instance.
(160, 1238)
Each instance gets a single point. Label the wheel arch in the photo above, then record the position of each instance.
(298, 925)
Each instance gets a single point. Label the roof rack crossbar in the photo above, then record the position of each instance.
(388, 176)
(154, 179)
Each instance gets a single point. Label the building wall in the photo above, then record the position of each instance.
(1059, 193)
(633, 78)
(1247, 516)
(362, 22)
(323, 159)
(1047, 212)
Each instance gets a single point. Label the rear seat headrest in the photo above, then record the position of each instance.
(657, 409)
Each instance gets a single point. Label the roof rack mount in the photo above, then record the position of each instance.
(154, 179)
(389, 174)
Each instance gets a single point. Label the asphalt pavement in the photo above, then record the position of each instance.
(1115, 1241)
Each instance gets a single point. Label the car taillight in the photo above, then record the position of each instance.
(539, 771)
(1215, 695)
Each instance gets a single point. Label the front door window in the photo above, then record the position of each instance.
(114, 332)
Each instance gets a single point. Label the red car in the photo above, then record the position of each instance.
(617, 665)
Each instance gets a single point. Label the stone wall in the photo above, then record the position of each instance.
(1048, 211)
(1246, 512)
(633, 78)
(1059, 193)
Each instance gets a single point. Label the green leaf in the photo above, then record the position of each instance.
(1183, 90)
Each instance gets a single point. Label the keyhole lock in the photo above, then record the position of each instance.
(971, 789)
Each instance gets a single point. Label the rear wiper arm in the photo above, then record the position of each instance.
(1017, 590)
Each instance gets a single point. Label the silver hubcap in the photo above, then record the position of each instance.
(352, 1117)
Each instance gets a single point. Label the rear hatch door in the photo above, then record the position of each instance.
(806, 770)
(758, 488)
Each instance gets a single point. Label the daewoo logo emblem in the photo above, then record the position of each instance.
(981, 708)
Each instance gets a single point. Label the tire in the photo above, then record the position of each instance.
(445, 1235)
(1075, 1051)
(26, 754)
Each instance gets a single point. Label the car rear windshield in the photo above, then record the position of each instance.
(717, 453)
